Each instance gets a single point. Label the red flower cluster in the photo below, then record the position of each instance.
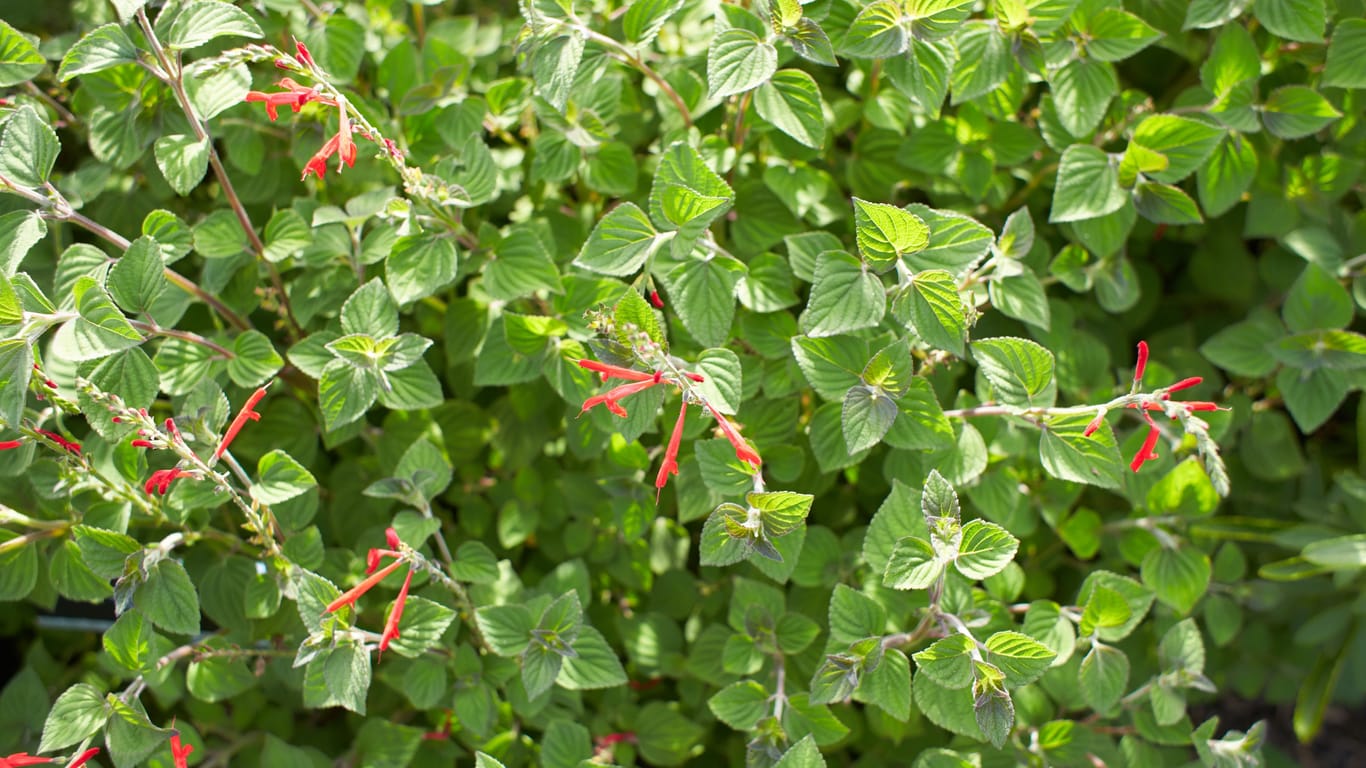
(641, 381)
(160, 480)
(66, 445)
(295, 96)
(1147, 452)
(372, 561)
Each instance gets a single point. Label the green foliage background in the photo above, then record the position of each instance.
(912, 245)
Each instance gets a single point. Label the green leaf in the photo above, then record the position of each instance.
(18, 569)
(422, 626)
(1346, 51)
(521, 266)
(19, 232)
(1020, 371)
(72, 578)
(886, 233)
(831, 365)
(1317, 301)
(983, 61)
(554, 65)
(1296, 111)
(419, 266)
(935, 310)
(130, 736)
(1067, 453)
(183, 160)
(664, 736)
(1087, 186)
(169, 599)
(888, 685)
(19, 60)
(803, 754)
(995, 712)
(1135, 596)
(1165, 204)
(199, 21)
(867, 414)
(1242, 348)
(876, 32)
(620, 243)
(781, 512)
(948, 661)
(985, 549)
(1340, 553)
(1299, 20)
(740, 705)
(645, 18)
(1179, 576)
(1082, 91)
(1021, 658)
(1115, 35)
(1226, 175)
(507, 628)
(100, 330)
(1232, 60)
(811, 43)
(912, 565)
(281, 478)
(738, 61)
(28, 149)
(1103, 677)
(77, 714)
(346, 676)
(345, 393)
(1184, 142)
(845, 297)
(687, 196)
(791, 101)
(722, 388)
(136, 280)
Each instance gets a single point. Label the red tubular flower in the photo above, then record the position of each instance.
(180, 754)
(239, 421)
(349, 596)
(161, 480)
(615, 371)
(396, 615)
(346, 148)
(611, 397)
(655, 300)
(141, 444)
(1142, 363)
(59, 440)
(6, 445)
(391, 536)
(22, 758)
(84, 757)
(670, 465)
(1193, 381)
(1146, 452)
(1200, 405)
(294, 96)
(742, 450)
(173, 430)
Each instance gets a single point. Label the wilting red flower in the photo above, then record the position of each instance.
(161, 480)
(84, 757)
(6, 445)
(239, 421)
(349, 596)
(670, 465)
(396, 615)
(742, 450)
(180, 754)
(59, 440)
(1146, 452)
(1142, 363)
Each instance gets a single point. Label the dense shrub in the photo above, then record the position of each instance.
(680, 381)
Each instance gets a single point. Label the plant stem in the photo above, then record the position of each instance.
(174, 77)
(193, 338)
(622, 53)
